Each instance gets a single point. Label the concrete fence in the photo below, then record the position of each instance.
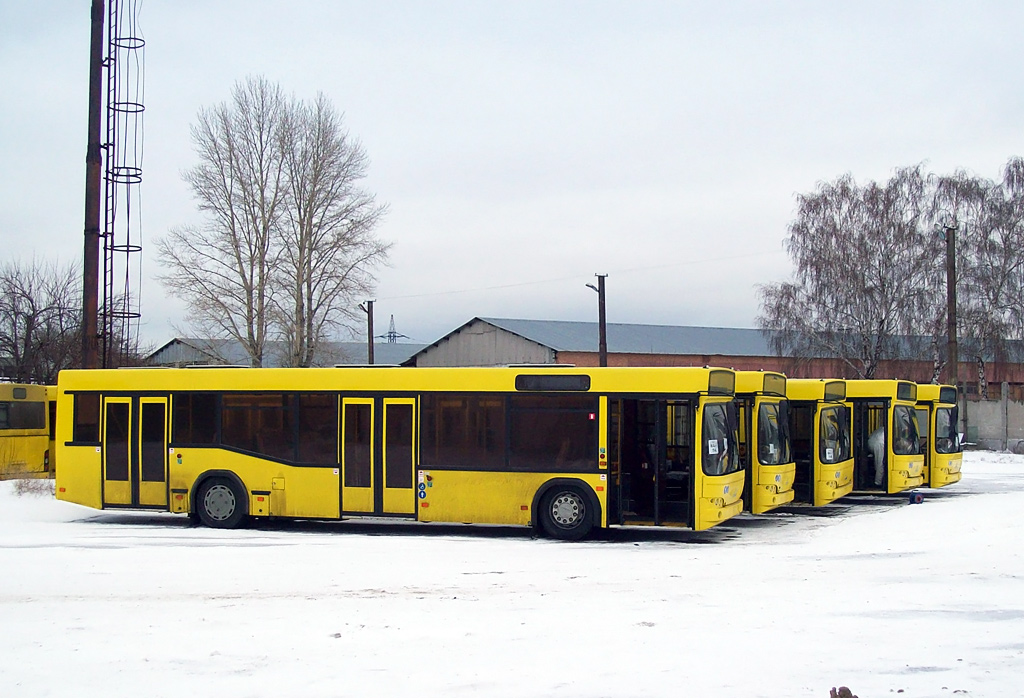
(996, 424)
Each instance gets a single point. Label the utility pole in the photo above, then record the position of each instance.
(952, 359)
(602, 328)
(368, 309)
(93, 170)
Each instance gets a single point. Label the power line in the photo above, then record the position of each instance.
(540, 282)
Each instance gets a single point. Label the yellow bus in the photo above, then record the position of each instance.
(886, 446)
(51, 427)
(561, 449)
(764, 432)
(937, 419)
(820, 422)
(25, 429)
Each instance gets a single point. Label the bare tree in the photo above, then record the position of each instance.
(989, 218)
(40, 320)
(1012, 220)
(223, 270)
(289, 241)
(329, 249)
(861, 262)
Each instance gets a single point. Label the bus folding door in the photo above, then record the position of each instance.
(134, 444)
(378, 456)
(398, 453)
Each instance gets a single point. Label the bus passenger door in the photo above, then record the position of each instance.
(925, 417)
(152, 449)
(357, 455)
(399, 449)
(135, 451)
(117, 451)
(871, 445)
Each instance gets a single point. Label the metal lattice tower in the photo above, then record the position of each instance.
(393, 335)
(122, 176)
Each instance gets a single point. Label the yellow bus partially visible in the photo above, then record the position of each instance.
(24, 431)
(764, 431)
(820, 421)
(886, 446)
(561, 449)
(937, 419)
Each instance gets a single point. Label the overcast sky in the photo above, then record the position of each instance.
(523, 147)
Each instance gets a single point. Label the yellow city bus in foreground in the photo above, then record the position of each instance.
(561, 449)
(25, 431)
(764, 433)
(820, 421)
(886, 447)
(937, 419)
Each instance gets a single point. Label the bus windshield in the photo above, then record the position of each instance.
(905, 440)
(721, 436)
(835, 434)
(947, 440)
(773, 433)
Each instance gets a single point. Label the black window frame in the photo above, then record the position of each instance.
(575, 453)
(183, 436)
(78, 438)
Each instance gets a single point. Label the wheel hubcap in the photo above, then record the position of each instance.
(219, 502)
(567, 510)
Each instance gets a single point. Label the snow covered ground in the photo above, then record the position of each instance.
(886, 598)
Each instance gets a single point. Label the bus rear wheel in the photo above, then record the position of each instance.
(221, 504)
(564, 513)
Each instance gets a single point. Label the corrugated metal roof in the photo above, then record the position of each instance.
(183, 350)
(638, 339)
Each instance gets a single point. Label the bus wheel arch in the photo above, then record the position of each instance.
(567, 509)
(219, 499)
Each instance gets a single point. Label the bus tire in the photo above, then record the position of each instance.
(220, 503)
(565, 513)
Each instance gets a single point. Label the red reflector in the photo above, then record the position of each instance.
(62, 489)
(600, 489)
(259, 499)
(524, 507)
(179, 496)
(424, 504)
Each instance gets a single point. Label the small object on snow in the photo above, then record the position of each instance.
(916, 497)
(841, 692)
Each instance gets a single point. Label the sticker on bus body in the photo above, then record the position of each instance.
(713, 447)
(828, 454)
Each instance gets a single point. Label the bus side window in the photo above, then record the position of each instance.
(86, 427)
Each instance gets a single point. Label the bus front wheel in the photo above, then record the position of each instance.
(220, 503)
(565, 514)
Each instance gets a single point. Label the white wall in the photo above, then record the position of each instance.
(996, 424)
